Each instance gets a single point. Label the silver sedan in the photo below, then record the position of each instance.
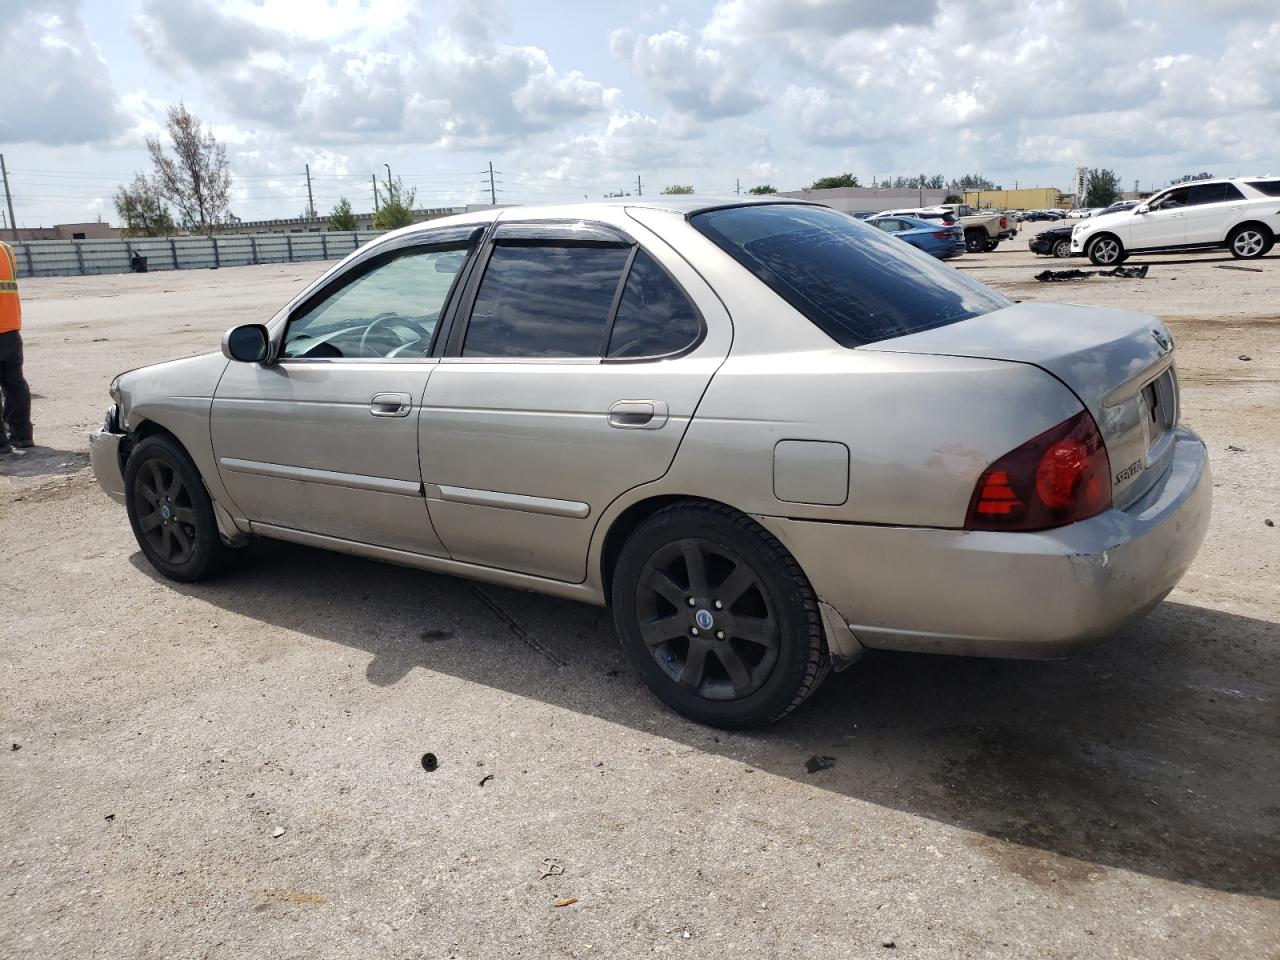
(768, 436)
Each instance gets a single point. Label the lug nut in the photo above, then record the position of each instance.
(719, 605)
(719, 634)
(692, 602)
(693, 631)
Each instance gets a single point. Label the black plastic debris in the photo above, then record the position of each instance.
(818, 762)
(1127, 273)
(429, 762)
(485, 779)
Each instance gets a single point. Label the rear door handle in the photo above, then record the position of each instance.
(391, 404)
(639, 414)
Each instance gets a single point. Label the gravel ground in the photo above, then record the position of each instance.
(233, 769)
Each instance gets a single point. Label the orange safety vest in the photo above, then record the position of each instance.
(10, 309)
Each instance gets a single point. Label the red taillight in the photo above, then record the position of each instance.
(1004, 223)
(1057, 478)
(944, 234)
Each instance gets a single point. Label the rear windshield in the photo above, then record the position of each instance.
(858, 284)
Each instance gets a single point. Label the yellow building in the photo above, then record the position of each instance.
(1028, 198)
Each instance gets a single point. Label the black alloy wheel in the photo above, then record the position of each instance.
(171, 512)
(707, 619)
(717, 616)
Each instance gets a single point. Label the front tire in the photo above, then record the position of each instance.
(1249, 241)
(171, 512)
(717, 617)
(1106, 251)
(1062, 249)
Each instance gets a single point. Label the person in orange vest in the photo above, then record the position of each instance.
(15, 395)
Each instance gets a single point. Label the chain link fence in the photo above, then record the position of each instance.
(69, 258)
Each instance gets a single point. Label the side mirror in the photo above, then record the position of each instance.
(248, 343)
(1144, 209)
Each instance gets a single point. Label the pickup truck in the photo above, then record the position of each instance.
(983, 230)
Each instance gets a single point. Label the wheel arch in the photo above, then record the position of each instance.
(626, 522)
(1260, 224)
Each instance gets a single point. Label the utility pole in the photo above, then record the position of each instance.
(311, 203)
(8, 197)
(493, 194)
(373, 178)
(737, 185)
(639, 192)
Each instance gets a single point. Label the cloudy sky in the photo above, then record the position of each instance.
(577, 97)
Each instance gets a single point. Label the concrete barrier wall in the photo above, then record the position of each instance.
(68, 258)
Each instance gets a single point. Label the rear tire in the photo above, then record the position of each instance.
(171, 512)
(1062, 249)
(975, 241)
(991, 245)
(1106, 251)
(717, 617)
(1250, 241)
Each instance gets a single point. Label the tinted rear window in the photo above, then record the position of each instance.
(1270, 187)
(854, 282)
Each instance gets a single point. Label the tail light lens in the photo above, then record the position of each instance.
(1059, 477)
(944, 234)
(1004, 223)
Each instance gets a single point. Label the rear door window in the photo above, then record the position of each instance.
(654, 318)
(545, 300)
(1203, 193)
(854, 282)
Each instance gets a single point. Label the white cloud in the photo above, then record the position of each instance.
(701, 80)
(57, 86)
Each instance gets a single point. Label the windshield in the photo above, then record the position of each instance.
(854, 282)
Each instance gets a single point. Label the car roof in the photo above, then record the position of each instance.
(684, 205)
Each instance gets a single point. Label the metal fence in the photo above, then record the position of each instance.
(68, 258)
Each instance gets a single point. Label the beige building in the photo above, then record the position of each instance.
(1028, 198)
(65, 231)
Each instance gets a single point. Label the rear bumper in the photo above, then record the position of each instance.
(1043, 594)
(104, 454)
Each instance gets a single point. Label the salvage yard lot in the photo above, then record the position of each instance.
(1124, 803)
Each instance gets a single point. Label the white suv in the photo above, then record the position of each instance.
(1241, 214)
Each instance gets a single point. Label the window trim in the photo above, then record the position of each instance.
(466, 239)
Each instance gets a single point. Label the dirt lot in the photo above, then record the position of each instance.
(1116, 805)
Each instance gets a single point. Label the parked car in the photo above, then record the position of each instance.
(864, 214)
(1034, 216)
(935, 239)
(1122, 205)
(983, 230)
(1241, 214)
(1053, 242)
(767, 435)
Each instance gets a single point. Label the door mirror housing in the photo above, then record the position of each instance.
(247, 343)
(1143, 209)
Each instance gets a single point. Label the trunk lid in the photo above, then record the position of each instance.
(1118, 362)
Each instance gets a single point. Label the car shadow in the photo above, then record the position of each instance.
(41, 461)
(1155, 753)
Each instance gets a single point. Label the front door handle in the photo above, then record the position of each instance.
(639, 414)
(391, 404)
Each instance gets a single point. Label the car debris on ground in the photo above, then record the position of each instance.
(1128, 273)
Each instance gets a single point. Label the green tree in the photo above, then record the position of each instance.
(142, 210)
(1190, 177)
(973, 181)
(762, 189)
(395, 205)
(831, 183)
(196, 179)
(954, 198)
(1102, 188)
(677, 190)
(342, 217)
